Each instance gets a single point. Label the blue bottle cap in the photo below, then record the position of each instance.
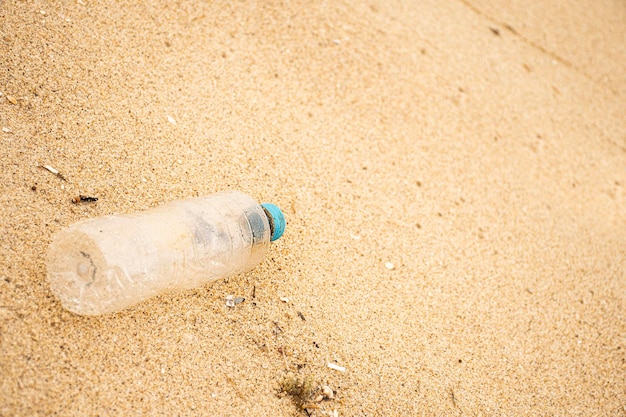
(276, 219)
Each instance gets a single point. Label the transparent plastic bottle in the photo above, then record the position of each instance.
(108, 263)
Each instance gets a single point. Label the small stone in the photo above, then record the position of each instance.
(6, 130)
(327, 392)
(230, 301)
(284, 299)
(12, 99)
(171, 120)
(390, 266)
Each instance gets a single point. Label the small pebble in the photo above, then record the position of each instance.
(12, 99)
(171, 120)
(327, 392)
(389, 266)
(284, 299)
(6, 130)
(230, 301)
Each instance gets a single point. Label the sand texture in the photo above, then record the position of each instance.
(453, 174)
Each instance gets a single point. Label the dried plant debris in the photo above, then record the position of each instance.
(337, 367)
(300, 388)
(84, 199)
(306, 392)
(54, 171)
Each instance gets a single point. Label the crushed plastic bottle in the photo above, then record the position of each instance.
(106, 264)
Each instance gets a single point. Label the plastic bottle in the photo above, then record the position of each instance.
(108, 263)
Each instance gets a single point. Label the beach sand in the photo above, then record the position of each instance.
(453, 175)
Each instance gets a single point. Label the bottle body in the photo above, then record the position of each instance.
(105, 264)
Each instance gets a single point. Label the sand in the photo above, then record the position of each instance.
(452, 172)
